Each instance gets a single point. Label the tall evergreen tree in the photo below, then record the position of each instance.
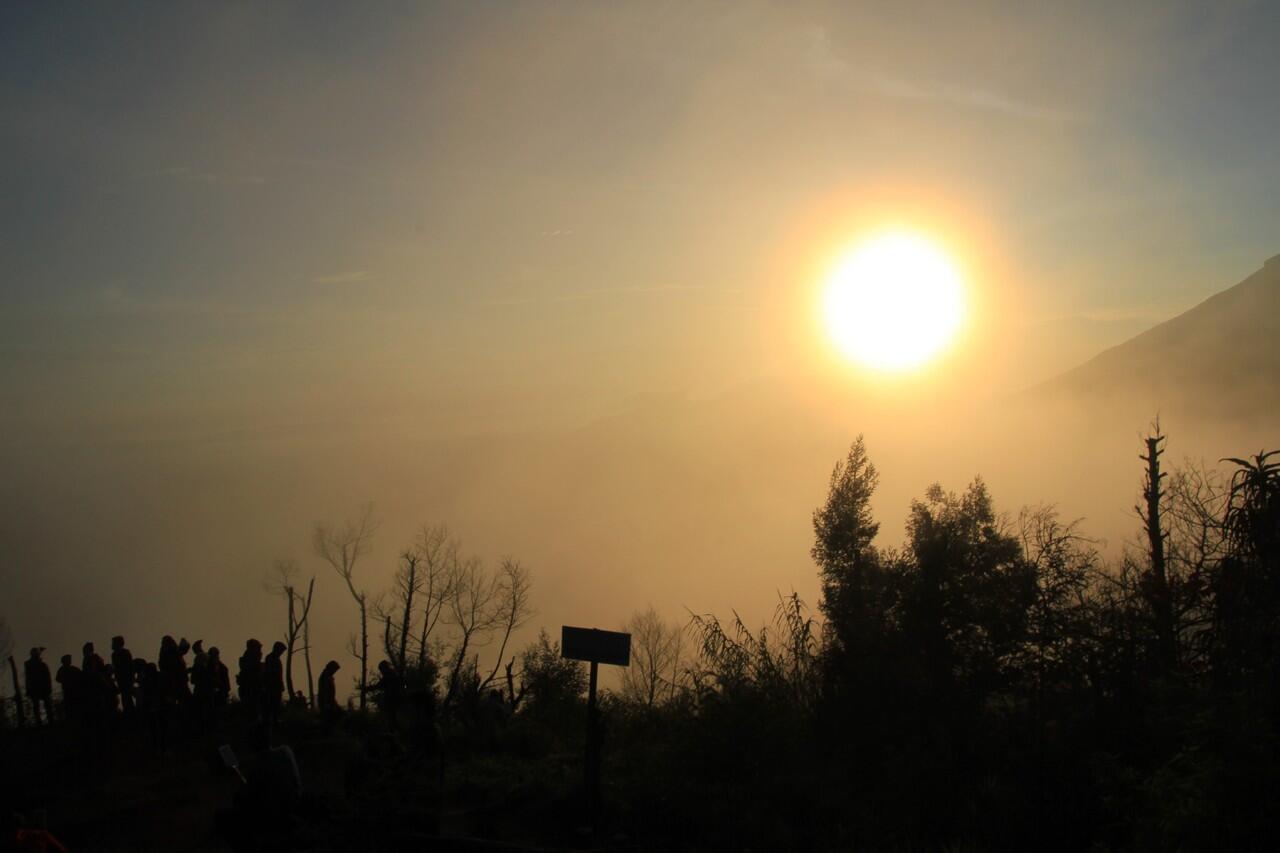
(849, 565)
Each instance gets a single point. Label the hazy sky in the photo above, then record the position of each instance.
(258, 226)
(500, 207)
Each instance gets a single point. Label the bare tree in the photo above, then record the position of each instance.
(282, 581)
(656, 647)
(1197, 543)
(407, 585)
(342, 549)
(399, 615)
(512, 606)
(1064, 564)
(437, 553)
(445, 606)
(480, 605)
(472, 614)
(422, 586)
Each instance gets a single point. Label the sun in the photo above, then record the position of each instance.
(893, 302)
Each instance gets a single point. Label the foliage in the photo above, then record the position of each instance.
(550, 684)
(990, 684)
(657, 671)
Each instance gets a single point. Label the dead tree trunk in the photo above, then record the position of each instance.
(306, 644)
(292, 638)
(17, 694)
(1159, 594)
(411, 582)
(364, 654)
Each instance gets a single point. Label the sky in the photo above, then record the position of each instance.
(265, 262)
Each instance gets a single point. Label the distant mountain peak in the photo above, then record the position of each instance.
(1219, 359)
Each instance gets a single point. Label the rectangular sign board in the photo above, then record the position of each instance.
(592, 644)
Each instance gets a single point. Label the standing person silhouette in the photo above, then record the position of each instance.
(71, 679)
(173, 669)
(201, 684)
(273, 683)
(327, 694)
(391, 688)
(122, 667)
(97, 699)
(39, 685)
(96, 682)
(249, 678)
(219, 678)
(153, 706)
(199, 660)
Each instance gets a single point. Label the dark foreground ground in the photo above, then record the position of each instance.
(362, 789)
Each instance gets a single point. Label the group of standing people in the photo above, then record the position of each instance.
(97, 691)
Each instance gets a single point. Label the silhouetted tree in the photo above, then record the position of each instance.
(397, 616)
(6, 647)
(654, 674)
(481, 604)
(437, 557)
(1247, 620)
(512, 607)
(1195, 547)
(1064, 564)
(342, 549)
(549, 683)
(964, 593)
(848, 563)
(1156, 586)
(283, 582)
(779, 662)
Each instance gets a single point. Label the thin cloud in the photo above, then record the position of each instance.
(823, 62)
(346, 277)
(605, 292)
(187, 174)
(599, 293)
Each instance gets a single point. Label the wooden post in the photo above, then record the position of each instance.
(591, 764)
(595, 647)
(17, 693)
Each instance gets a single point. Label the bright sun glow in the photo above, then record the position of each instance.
(893, 302)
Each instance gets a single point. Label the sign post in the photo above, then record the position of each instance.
(596, 647)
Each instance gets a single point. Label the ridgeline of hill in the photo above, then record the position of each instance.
(1221, 359)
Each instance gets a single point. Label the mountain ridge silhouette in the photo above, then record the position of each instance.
(1220, 358)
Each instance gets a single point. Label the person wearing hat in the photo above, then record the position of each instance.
(39, 685)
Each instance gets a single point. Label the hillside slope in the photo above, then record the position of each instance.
(1219, 359)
